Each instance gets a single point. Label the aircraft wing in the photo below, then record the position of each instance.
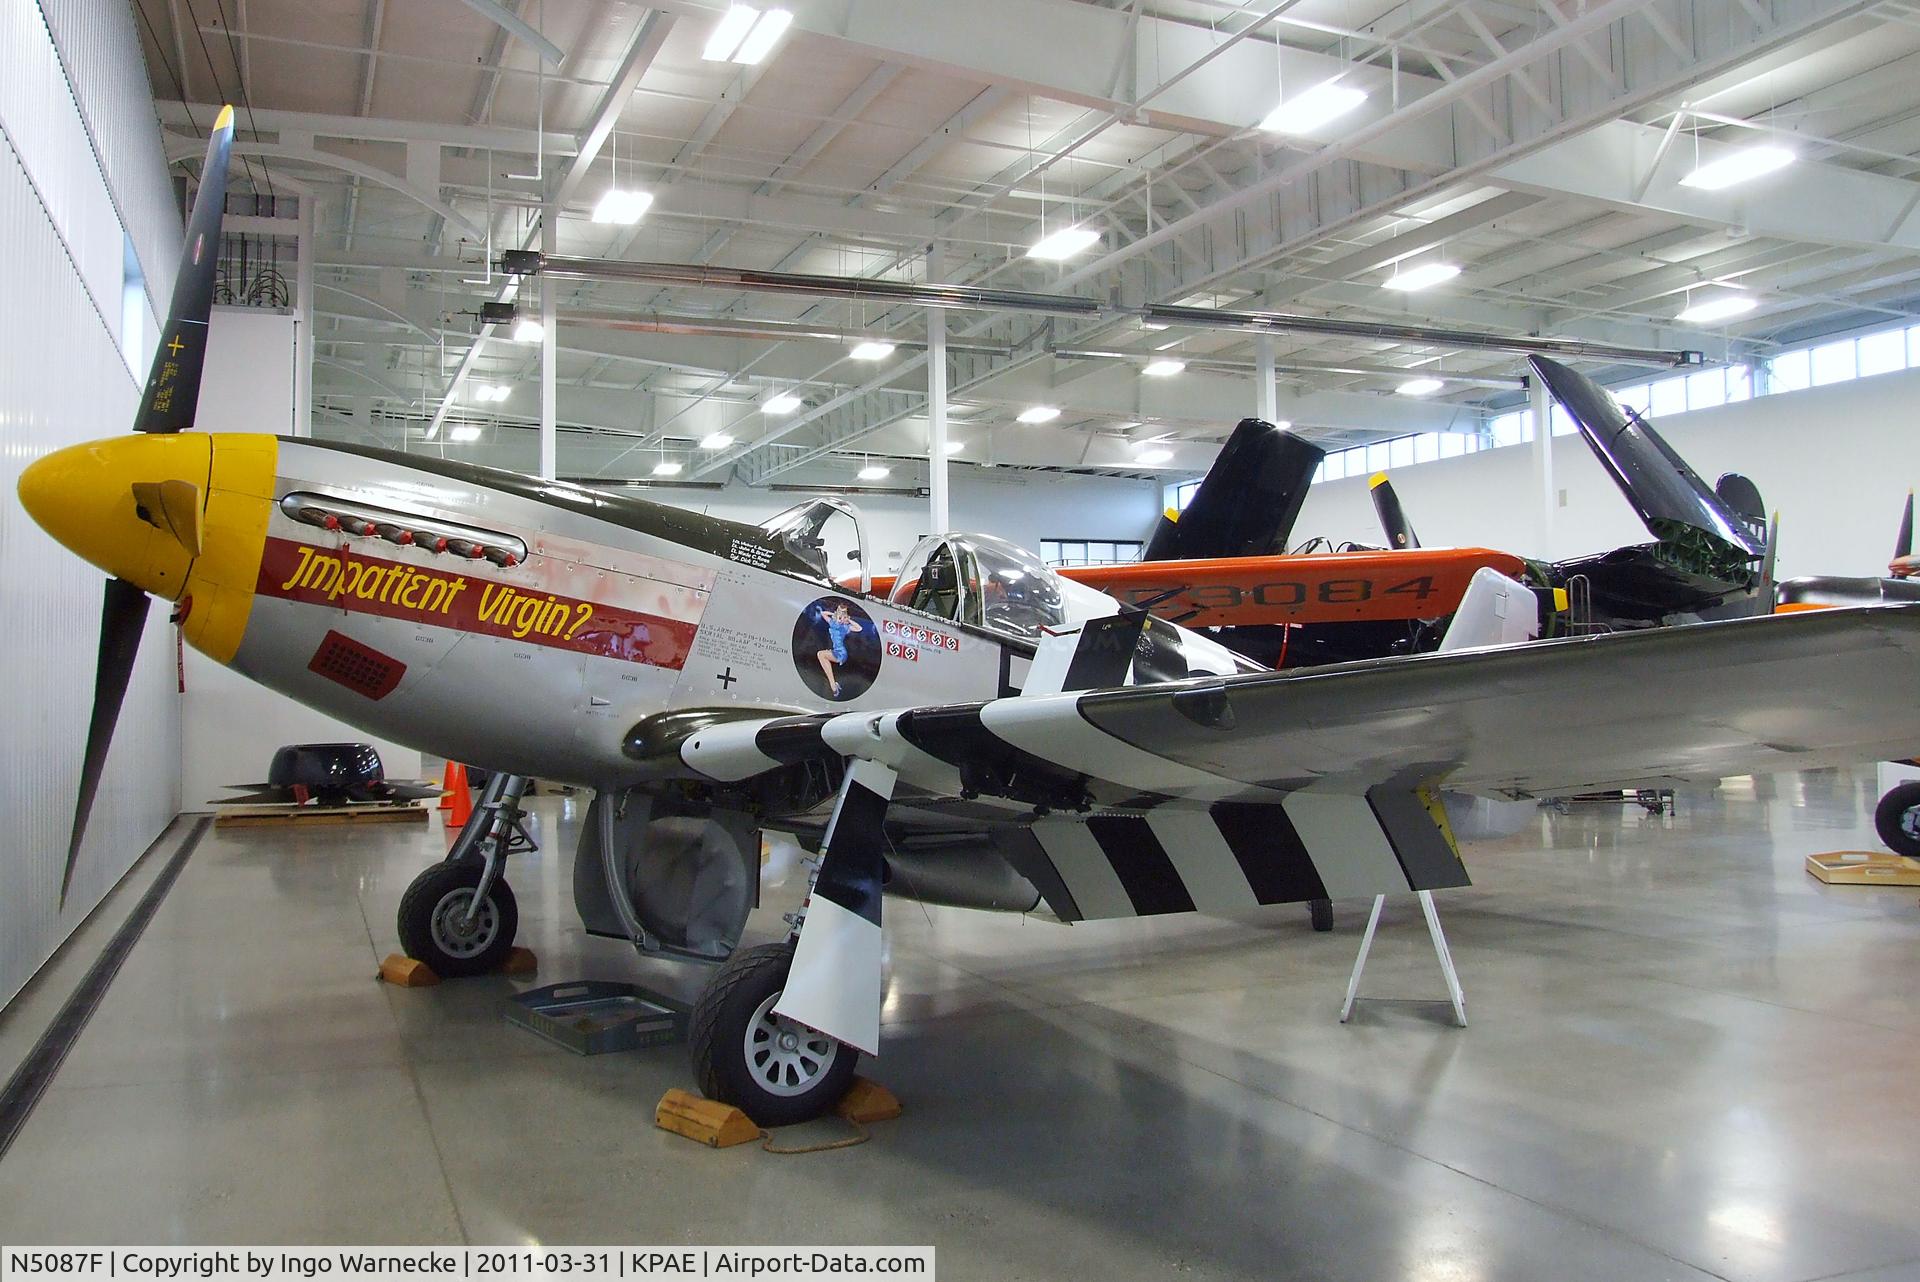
(1772, 693)
(1229, 793)
(1333, 587)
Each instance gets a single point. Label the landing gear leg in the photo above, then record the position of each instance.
(779, 1027)
(460, 916)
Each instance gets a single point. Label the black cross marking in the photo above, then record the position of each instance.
(727, 678)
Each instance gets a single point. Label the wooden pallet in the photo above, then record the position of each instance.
(1864, 868)
(290, 815)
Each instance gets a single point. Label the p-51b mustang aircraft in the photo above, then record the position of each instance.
(988, 735)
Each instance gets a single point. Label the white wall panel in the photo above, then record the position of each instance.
(43, 126)
(99, 50)
(62, 380)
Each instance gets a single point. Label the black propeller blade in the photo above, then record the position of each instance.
(1393, 519)
(1903, 544)
(123, 615)
(167, 405)
(173, 386)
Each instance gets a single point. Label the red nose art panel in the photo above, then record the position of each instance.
(470, 602)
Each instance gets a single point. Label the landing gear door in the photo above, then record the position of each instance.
(829, 535)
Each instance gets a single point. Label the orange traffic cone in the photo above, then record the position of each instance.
(456, 798)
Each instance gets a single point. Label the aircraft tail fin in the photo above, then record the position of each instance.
(1247, 502)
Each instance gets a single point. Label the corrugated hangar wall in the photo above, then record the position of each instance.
(83, 180)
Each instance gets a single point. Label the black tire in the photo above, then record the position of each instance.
(1897, 819)
(435, 893)
(725, 1069)
(1321, 913)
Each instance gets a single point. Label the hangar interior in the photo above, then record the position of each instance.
(1687, 1058)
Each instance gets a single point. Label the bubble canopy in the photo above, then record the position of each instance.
(980, 580)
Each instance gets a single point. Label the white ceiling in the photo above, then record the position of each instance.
(1534, 144)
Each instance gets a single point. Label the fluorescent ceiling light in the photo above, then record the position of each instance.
(772, 25)
(726, 37)
(1039, 414)
(1738, 167)
(871, 350)
(622, 206)
(666, 467)
(1719, 308)
(1425, 276)
(715, 441)
(954, 447)
(1419, 387)
(1153, 456)
(780, 403)
(874, 472)
(1064, 243)
(528, 330)
(1164, 367)
(492, 392)
(745, 34)
(463, 432)
(1305, 112)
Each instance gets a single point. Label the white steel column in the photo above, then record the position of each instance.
(1539, 403)
(1266, 395)
(549, 349)
(303, 322)
(936, 404)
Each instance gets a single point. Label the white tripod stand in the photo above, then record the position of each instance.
(1457, 997)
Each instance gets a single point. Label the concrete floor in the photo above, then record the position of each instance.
(1687, 1060)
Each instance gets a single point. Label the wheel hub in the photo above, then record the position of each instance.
(786, 1057)
(457, 933)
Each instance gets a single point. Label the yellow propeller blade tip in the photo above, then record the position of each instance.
(1173, 514)
(1377, 480)
(224, 120)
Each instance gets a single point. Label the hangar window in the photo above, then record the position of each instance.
(1706, 389)
(1090, 551)
(1670, 397)
(1790, 372)
(1834, 363)
(1883, 353)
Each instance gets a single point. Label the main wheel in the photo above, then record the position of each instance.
(1321, 913)
(773, 1069)
(434, 925)
(1897, 819)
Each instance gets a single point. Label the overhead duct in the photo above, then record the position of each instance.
(1249, 367)
(973, 298)
(732, 327)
